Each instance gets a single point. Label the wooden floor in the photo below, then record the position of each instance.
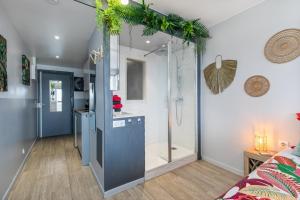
(53, 172)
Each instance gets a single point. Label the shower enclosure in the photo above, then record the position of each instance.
(177, 140)
(169, 101)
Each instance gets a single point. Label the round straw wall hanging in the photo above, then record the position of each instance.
(257, 86)
(283, 46)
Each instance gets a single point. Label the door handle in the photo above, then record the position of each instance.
(40, 105)
(72, 101)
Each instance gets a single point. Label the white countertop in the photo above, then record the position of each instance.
(119, 115)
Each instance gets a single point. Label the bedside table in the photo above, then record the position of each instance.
(253, 159)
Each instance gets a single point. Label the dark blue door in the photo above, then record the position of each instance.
(57, 103)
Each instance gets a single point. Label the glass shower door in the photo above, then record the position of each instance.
(183, 96)
(156, 82)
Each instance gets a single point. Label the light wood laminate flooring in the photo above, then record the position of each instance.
(53, 172)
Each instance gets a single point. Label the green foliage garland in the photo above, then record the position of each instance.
(134, 14)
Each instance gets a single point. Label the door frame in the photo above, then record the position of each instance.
(39, 97)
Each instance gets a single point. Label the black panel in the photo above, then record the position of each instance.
(199, 105)
(78, 84)
(99, 146)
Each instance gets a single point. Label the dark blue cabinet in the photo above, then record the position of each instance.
(125, 152)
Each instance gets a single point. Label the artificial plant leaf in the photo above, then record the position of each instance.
(188, 30)
(130, 14)
(134, 14)
(164, 24)
(149, 31)
(266, 192)
(99, 12)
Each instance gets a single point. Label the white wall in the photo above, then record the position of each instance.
(229, 119)
(154, 105)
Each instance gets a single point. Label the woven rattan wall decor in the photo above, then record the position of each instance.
(257, 86)
(218, 79)
(283, 46)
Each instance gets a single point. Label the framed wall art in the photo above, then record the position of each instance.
(78, 84)
(3, 64)
(25, 70)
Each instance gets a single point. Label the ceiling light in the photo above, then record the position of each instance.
(148, 41)
(56, 37)
(125, 2)
(57, 57)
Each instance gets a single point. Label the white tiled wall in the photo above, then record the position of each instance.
(154, 105)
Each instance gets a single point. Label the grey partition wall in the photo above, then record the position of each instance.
(117, 154)
(97, 136)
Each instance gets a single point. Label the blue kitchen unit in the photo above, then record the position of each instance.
(82, 129)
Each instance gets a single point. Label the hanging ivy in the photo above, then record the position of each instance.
(114, 14)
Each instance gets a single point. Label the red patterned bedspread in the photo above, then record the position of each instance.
(276, 179)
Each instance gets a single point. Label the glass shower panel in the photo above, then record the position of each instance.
(183, 99)
(156, 100)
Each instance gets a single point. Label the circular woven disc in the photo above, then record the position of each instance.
(283, 46)
(257, 86)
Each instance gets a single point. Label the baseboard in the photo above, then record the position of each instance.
(20, 169)
(224, 166)
(116, 190)
(98, 181)
(169, 167)
(122, 188)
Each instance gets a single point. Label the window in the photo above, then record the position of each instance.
(55, 94)
(135, 80)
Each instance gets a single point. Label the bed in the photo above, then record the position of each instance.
(276, 179)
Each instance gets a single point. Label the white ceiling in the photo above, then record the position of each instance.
(210, 12)
(37, 22)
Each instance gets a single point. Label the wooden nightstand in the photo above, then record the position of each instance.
(253, 159)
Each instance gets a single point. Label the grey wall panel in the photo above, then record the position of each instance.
(95, 42)
(108, 118)
(79, 103)
(17, 131)
(17, 112)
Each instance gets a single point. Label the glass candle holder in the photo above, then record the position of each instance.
(261, 143)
